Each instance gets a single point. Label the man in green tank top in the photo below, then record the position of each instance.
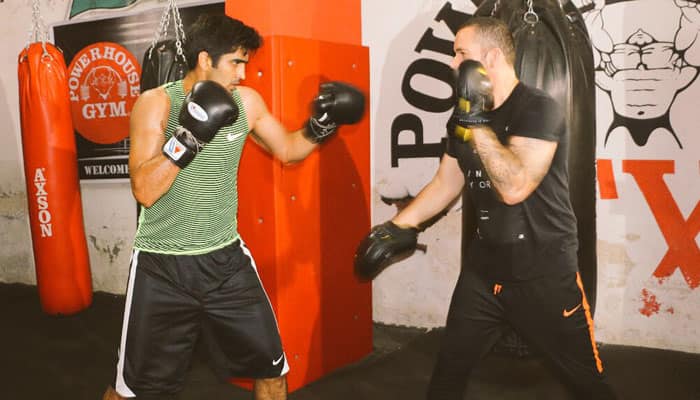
(191, 275)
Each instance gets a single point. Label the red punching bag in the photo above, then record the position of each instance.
(51, 171)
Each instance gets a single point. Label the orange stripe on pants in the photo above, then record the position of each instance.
(589, 320)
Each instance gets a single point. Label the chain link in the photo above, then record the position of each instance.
(530, 15)
(171, 10)
(179, 29)
(38, 33)
(496, 6)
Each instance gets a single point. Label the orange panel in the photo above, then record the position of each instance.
(338, 21)
(256, 183)
(305, 220)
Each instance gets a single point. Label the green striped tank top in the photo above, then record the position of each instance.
(199, 212)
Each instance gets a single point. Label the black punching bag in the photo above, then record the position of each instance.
(164, 60)
(162, 64)
(554, 53)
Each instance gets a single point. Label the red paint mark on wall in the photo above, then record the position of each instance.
(606, 180)
(651, 306)
(680, 233)
(670, 310)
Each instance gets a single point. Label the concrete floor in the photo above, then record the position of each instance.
(72, 358)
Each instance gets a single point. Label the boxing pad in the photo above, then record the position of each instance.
(380, 246)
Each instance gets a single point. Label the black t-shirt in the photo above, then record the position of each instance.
(538, 235)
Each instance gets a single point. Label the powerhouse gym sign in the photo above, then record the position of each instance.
(103, 83)
(104, 80)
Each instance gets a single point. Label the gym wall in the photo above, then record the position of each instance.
(648, 213)
(648, 217)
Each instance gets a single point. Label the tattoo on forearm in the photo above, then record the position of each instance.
(502, 165)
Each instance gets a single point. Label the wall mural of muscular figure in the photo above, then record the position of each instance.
(645, 64)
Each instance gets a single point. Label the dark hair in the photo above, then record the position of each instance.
(493, 33)
(218, 35)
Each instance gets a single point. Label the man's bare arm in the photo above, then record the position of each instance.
(270, 133)
(150, 171)
(444, 188)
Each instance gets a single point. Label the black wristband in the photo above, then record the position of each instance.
(178, 153)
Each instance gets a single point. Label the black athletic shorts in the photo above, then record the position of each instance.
(174, 300)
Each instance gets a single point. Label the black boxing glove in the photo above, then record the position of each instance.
(384, 242)
(207, 108)
(474, 98)
(337, 103)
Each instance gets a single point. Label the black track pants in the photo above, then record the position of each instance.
(551, 313)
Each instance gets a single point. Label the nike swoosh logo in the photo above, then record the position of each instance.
(277, 361)
(231, 137)
(567, 313)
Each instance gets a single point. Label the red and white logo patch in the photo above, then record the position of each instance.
(174, 149)
(104, 82)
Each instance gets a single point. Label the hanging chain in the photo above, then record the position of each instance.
(530, 15)
(179, 29)
(170, 10)
(163, 26)
(496, 6)
(39, 31)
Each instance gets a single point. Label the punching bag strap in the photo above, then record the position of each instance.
(171, 11)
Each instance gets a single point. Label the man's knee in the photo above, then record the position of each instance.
(271, 388)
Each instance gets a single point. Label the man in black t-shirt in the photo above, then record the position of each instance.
(507, 148)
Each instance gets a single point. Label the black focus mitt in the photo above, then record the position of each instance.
(383, 243)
